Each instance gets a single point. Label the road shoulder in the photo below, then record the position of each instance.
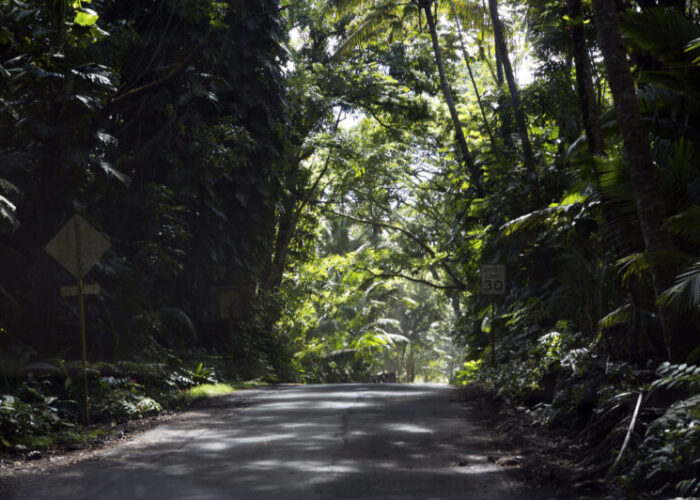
(533, 454)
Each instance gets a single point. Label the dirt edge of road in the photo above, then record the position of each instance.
(537, 455)
(16, 466)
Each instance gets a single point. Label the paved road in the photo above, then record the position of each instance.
(350, 441)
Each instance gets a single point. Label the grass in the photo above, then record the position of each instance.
(204, 391)
(80, 438)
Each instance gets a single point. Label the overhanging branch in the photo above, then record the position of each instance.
(420, 281)
(459, 285)
(384, 225)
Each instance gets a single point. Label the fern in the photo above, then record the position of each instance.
(670, 452)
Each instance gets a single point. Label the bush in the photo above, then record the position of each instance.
(667, 464)
(121, 399)
(21, 420)
(468, 373)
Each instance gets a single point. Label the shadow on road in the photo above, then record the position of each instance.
(352, 441)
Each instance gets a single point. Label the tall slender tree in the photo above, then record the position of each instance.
(380, 16)
(504, 59)
(641, 297)
(648, 197)
(474, 171)
(584, 80)
(468, 63)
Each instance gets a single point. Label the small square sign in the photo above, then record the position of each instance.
(493, 279)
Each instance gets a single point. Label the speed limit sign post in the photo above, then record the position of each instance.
(493, 283)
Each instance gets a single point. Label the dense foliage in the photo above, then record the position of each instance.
(307, 192)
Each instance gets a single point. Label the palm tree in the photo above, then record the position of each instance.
(648, 197)
(467, 62)
(584, 80)
(387, 14)
(504, 58)
(475, 173)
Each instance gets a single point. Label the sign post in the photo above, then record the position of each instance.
(493, 284)
(227, 299)
(77, 247)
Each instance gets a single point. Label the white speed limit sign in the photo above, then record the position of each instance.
(493, 279)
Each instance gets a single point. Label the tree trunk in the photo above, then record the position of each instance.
(479, 100)
(475, 173)
(584, 80)
(502, 53)
(641, 298)
(648, 198)
(403, 355)
(288, 222)
(411, 366)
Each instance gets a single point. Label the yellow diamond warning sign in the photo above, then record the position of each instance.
(78, 246)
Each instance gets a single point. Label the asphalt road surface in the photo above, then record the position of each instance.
(353, 441)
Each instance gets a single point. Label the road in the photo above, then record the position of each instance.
(353, 441)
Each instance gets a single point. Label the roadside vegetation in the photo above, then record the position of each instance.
(307, 191)
(42, 411)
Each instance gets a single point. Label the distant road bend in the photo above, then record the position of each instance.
(350, 441)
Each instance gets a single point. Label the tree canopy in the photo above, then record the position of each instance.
(309, 191)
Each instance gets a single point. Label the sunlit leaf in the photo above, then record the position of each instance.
(112, 172)
(86, 17)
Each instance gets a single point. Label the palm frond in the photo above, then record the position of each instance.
(637, 265)
(8, 217)
(693, 46)
(670, 37)
(686, 224)
(621, 315)
(469, 13)
(682, 83)
(392, 322)
(613, 178)
(375, 24)
(685, 294)
(666, 33)
(395, 338)
(340, 8)
(573, 201)
(7, 187)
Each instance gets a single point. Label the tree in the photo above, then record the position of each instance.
(584, 79)
(475, 173)
(504, 58)
(378, 17)
(648, 199)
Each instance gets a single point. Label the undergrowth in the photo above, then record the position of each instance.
(43, 409)
(592, 399)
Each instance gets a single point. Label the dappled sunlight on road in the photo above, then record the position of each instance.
(343, 441)
(413, 429)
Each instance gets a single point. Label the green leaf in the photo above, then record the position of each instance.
(86, 17)
(620, 315)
